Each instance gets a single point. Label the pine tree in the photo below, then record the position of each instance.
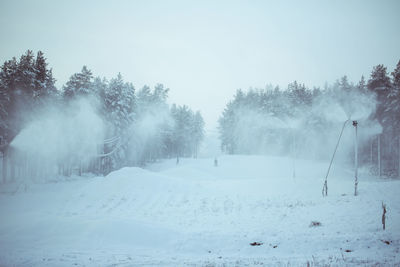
(26, 74)
(394, 98)
(44, 81)
(299, 96)
(144, 97)
(7, 88)
(344, 84)
(226, 126)
(182, 116)
(379, 80)
(40, 72)
(4, 104)
(379, 83)
(9, 74)
(396, 76)
(79, 84)
(362, 86)
(119, 105)
(18, 79)
(197, 132)
(394, 110)
(160, 94)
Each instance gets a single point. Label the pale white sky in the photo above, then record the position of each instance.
(205, 50)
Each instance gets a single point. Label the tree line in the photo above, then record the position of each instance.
(140, 125)
(305, 121)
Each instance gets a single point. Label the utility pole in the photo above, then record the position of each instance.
(294, 154)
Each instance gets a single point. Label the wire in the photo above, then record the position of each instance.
(111, 140)
(117, 146)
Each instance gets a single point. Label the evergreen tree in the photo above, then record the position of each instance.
(394, 99)
(7, 88)
(44, 81)
(160, 94)
(4, 103)
(184, 141)
(119, 106)
(22, 84)
(79, 84)
(144, 97)
(379, 83)
(26, 74)
(396, 76)
(9, 74)
(379, 80)
(344, 84)
(362, 86)
(99, 88)
(299, 96)
(197, 132)
(26, 84)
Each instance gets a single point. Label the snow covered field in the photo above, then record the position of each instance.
(195, 214)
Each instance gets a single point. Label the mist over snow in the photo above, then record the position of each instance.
(128, 136)
(299, 122)
(147, 132)
(343, 104)
(61, 132)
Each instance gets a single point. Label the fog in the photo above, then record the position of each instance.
(144, 133)
(308, 131)
(199, 133)
(60, 132)
(58, 135)
(205, 51)
(74, 135)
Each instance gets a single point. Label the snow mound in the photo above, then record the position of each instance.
(195, 213)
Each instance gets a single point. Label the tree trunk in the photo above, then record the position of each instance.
(4, 169)
(372, 146)
(379, 156)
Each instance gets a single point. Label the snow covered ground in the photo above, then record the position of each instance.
(195, 214)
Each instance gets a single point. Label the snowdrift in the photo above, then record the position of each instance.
(197, 214)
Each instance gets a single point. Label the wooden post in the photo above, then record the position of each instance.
(384, 216)
(379, 155)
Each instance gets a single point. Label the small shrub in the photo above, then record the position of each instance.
(315, 224)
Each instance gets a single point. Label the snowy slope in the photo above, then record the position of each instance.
(197, 214)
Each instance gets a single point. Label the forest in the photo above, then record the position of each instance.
(91, 124)
(306, 123)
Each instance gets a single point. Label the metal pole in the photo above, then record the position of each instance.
(355, 159)
(325, 187)
(294, 155)
(372, 143)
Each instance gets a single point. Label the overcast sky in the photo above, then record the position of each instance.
(205, 50)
